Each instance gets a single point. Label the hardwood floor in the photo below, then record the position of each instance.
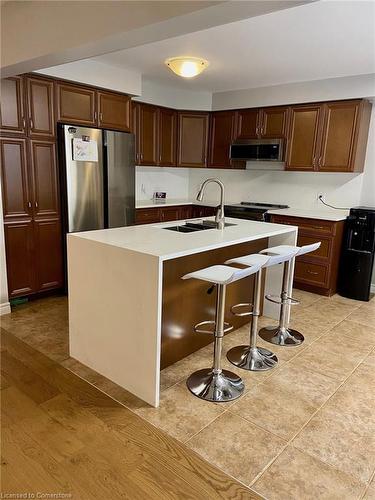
(61, 435)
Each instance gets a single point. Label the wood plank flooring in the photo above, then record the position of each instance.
(61, 435)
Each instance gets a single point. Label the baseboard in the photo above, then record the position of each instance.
(372, 289)
(5, 308)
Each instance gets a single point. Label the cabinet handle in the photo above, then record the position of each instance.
(141, 156)
(320, 162)
(95, 115)
(36, 204)
(29, 204)
(159, 158)
(31, 123)
(314, 162)
(101, 116)
(317, 227)
(24, 122)
(312, 272)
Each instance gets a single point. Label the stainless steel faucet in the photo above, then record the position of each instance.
(219, 218)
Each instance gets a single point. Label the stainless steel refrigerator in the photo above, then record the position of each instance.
(98, 178)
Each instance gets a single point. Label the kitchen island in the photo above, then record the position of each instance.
(130, 314)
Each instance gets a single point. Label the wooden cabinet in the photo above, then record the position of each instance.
(40, 107)
(317, 271)
(303, 137)
(167, 137)
(15, 179)
(12, 115)
(114, 111)
(147, 137)
(48, 255)
(273, 122)
(247, 123)
(76, 104)
(19, 250)
(179, 212)
(192, 139)
(45, 179)
(222, 131)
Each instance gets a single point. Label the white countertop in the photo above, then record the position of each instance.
(152, 239)
(170, 202)
(322, 214)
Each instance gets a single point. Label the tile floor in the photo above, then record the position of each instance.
(303, 430)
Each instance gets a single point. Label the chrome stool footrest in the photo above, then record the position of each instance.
(198, 329)
(236, 312)
(276, 299)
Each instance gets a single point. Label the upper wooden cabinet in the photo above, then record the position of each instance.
(192, 139)
(222, 131)
(12, 115)
(329, 137)
(76, 104)
(344, 136)
(114, 111)
(147, 134)
(273, 122)
(303, 137)
(247, 123)
(167, 137)
(40, 107)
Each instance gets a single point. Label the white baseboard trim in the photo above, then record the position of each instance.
(372, 289)
(5, 308)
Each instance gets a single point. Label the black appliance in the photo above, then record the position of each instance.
(357, 256)
(257, 150)
(251, 210)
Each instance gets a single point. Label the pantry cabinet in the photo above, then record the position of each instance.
(40, 107)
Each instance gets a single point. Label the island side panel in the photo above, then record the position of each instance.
(186, 303)
(274, 274)
(114, 314)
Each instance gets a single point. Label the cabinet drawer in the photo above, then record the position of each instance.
(147, 215)
(323, 252)
(315, 274)
(316, 226)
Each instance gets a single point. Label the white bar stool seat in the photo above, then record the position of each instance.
(283, 335)
(215, 384)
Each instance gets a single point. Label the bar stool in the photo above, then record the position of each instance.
(251, 357)
(282, 334)
(216, 384)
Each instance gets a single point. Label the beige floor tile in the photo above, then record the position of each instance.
(268, 404)
(333, 359)
(322, 314)
(362, 380)
(353, 304)
(305, 298)
(370, 359)
(365, 315)
(356, 331)
(297, 475)
(370, 493)
(180, 414)
(236, 446)
(342, 433)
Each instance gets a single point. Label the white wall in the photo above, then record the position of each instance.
(319, 90)
(163, 95)
(4, 301)
(99, 74)
(175, 181)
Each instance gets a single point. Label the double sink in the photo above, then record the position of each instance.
(193, 227)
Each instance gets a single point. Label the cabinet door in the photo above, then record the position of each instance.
(167, 137)
(273, 122)
(20, 257)
(45, 178)
(114, 111)
(76, 104)
(48, 254)
(170, 213)
(303, 138)
(40, 101)
(147, 134)
(247, 123)
(338, 136)
(15, 180)
(221, 137)
(192, 139)
(12, 116)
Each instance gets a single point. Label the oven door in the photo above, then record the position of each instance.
(238, 212)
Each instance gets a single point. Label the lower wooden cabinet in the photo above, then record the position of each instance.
(48, 255)
(170, 213)
(317, 271)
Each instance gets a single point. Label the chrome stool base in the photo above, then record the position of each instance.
(216, 387)
(255, 359)
(281, 336)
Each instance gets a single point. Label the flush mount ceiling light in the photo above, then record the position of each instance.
(187, 67)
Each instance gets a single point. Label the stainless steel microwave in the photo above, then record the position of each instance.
(258, 150)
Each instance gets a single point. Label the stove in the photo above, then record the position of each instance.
(251, 211)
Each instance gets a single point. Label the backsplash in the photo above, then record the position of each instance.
(175, 181)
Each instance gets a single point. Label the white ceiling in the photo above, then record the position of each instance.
(320, 40)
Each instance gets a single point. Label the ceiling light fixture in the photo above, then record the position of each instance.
(187, 67)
